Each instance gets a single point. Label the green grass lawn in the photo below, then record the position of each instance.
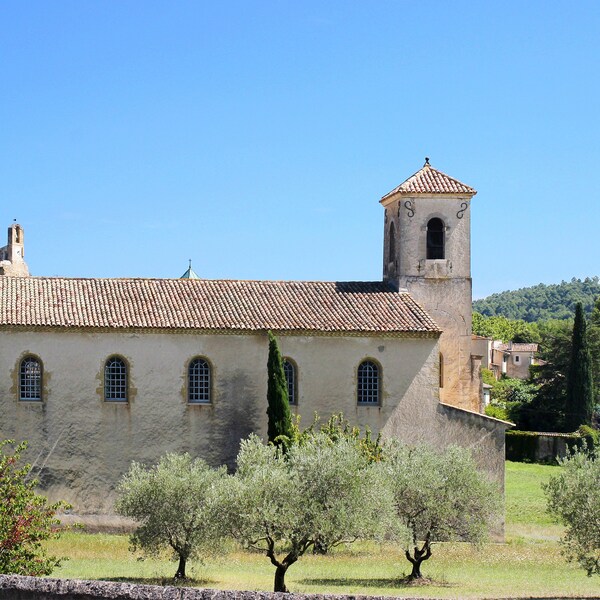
(528, 564)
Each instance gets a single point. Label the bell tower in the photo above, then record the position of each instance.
(12, 256)
(427, 251)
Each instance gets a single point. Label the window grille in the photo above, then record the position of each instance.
(368, 383)
(30, 379)
(115, 380)
(289, 370)
(199, 382)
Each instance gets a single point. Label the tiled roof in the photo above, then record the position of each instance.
(203, 304)
(517, 347)
(431, 181)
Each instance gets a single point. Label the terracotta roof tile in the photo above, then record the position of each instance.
(356, 307)
(516, 347)
(431, 181)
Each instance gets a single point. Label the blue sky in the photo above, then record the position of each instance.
(257, 137)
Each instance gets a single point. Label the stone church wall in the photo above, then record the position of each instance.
(80, 445)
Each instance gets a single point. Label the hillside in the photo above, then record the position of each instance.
(541, 302)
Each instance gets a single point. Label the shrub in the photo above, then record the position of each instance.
(26, 518)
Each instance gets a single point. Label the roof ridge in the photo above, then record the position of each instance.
(203, 279)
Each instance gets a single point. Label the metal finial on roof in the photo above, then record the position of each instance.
(190, 261)
(426, 161)
(14, 220)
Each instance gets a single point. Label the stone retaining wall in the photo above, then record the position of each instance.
(16, 587)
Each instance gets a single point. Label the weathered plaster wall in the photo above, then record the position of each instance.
(81, 445)
(518, 369)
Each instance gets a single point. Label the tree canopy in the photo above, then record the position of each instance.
(26, 518)
(580, 386)
(280, 428)
(574, 499)
(279, 504)
(176, 503)
(542, 302)
(436, 496)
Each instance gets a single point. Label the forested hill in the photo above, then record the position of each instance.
(542, 302)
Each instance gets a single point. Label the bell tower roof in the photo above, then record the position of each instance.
(430, 181)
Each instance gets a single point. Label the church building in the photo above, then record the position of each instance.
(95, 373)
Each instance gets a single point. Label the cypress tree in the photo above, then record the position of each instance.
(278, 411)
(594, 341)
(580, 387)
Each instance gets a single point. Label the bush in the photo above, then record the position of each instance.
(574, 499)
(26, 518)
(497, 411)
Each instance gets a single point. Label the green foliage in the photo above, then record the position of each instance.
(281, 504)
(574, 499)
(177, 505)
(497, 412)
(436, 496)
(336, 428)
(594, 342)
(510, 398)
(280, 429)
(26, 518)
(487, 376)
(541, 302)
(501, 328)
(580, 385)
(590, 435)
(546, 411)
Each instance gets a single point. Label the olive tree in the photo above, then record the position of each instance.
(574, 499)
(436, 496)
(26, 518)
(279, 504)
(177, 505)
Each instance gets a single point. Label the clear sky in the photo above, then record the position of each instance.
(256, 138)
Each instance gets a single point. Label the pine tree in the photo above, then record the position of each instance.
(580, 387)
(278, 411)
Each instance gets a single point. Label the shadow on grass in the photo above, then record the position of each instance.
(190, 582)
(397, 582)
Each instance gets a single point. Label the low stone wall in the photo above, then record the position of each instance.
(539, 447)
(15, 587)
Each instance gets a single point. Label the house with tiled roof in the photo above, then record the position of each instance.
(96, 373)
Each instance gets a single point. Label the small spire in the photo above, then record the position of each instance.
(427, 162)
(189, 274)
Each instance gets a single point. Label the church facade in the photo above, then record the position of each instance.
(95, 373)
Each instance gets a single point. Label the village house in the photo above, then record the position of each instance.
(95, 373)
(506, 359)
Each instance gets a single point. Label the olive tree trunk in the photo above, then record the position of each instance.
(181, 568)
(419, 555)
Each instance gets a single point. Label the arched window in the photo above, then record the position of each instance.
(368, 383)
(435, 238)
(392, 243)
(289, 369)
(199, 382)
(30, 379)
(115, 380)
(441, 370)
